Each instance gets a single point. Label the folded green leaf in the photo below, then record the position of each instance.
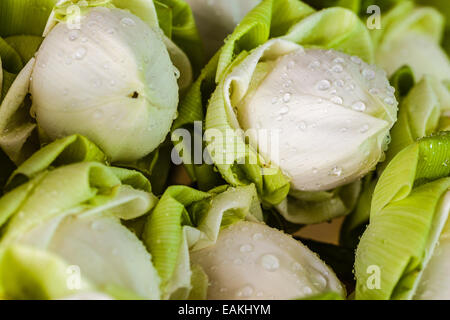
(408, 213)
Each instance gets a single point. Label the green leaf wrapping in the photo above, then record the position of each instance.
(405, 219)
(61, 152)
(179, 25)
(186, 219)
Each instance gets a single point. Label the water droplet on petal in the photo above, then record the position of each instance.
(337, 68)
(257, 236)
(128, 22)
(270, 262)
(374, 91)
(74, 35)
(302, 125)
(314, 65)
(246, 248)
(323, 85)
(355, 59)
(246, 291)
(369, 74)
(338, 60)
(80, 53)
(336, 171)
(339, 83)
(296, 266)
(287, 97)
(359, 106)
(389, 101)
(337, 100)
(364, 128)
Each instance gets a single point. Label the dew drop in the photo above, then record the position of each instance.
(355, 59)
(80, 53)
(287, 97)
(374, 91)
(359, 106)
(296, 266)
(74, 35)
(270, 262)
(128, 22)
(314, 65)
(337, 68)
(315, 170)
(321, 281)
(274, 100)
(302, 125)
(336, 171)
(246, 248)
(339, 83)
(364, 128)
(389, 100)
(257, 236)
(323, 85)
(246, 291)
(369, 74)
(337, 100)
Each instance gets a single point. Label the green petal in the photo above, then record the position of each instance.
(183, 31)
(61, 152)
(405, 219)
(427, 160)
(28, 273)
(25, 46)
(334, 28)
(24, 17)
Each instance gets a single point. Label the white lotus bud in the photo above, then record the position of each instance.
(253, 261)
(333, 113)
(112, 81)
